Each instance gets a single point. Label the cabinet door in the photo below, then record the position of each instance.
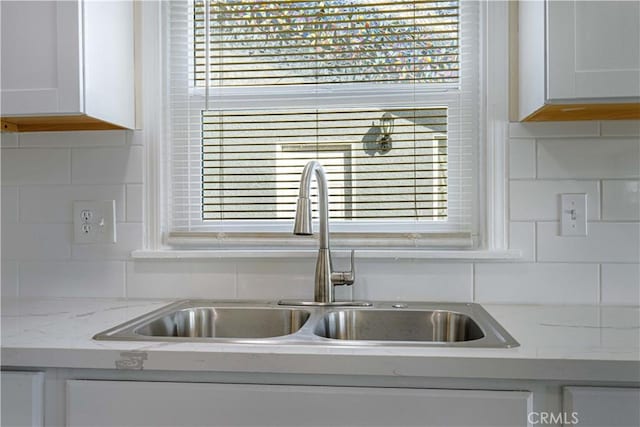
(603, 406)
(593, 50)
(22, 398)
(40, 57)
(118, 403)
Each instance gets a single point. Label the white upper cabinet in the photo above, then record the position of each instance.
(67, 65)
(594, 50)
(579, 59)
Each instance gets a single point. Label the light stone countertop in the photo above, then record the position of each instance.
(568, 343)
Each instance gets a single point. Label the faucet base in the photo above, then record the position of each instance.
(300, 303)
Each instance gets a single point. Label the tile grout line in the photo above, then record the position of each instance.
(18, 262)
(601, 199)
(124, 201)
(535, 241)
(124, 280)
(474, 294)
(18, 192)
(19, 267)
(70, 166)
(235, 279)
(600, 284)
(536, 148)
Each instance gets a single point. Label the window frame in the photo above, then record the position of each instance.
(490, 215)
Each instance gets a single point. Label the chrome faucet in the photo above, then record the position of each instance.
(325, 278)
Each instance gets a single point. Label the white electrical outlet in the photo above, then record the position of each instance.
(94, 221)
(573, 214)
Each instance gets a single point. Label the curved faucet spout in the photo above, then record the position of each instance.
(326, 278)
(303, 221)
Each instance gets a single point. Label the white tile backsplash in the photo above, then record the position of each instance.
(599, 158)
(213, 279)
(107, 165)
(35, 166)
(620, 284)
(605, 242)
(522, 236)
(274, 279)
(620, 128)
(522, 158)
(25, 242)
(8, 139)
(9, 204)
(128, 239)
(537, 283)
(134, 202)
(43, 173)
(108, 138)
(621, 200)
(540, 200)
(413, 280)
(9, 278)
(72, 279)
(554, 129)
(54, 204)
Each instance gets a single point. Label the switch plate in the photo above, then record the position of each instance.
(573, 214)
(94, 221)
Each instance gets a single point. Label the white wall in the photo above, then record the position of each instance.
(42, 173)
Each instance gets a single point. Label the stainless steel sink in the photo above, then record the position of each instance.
(198, 320)
(225, 322)
(381, 324)
(399, 325)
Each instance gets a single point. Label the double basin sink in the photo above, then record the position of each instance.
(380, 323)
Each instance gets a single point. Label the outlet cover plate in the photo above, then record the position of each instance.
(94, 221)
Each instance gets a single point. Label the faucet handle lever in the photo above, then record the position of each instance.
(345, 277)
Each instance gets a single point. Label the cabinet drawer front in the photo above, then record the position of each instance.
(120, 403)
(603, 406)
(22, 398)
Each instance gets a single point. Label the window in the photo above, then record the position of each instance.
(258, 88)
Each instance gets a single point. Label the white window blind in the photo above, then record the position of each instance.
(252, 163)
(258, 88)
(257, 43)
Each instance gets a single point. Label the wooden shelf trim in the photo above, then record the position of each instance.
(55, 124)
(570, 112)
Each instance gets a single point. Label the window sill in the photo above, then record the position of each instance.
(444, 255)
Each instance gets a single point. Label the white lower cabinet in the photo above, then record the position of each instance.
(602, 406)
(22, 398)
(124, 403)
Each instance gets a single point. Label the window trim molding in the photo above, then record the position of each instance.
(149, 34)
(494, 59)
(492, 223)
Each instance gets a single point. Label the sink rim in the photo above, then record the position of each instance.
(495, 336)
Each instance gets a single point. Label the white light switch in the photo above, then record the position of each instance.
(573, 215)
(94, 221)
